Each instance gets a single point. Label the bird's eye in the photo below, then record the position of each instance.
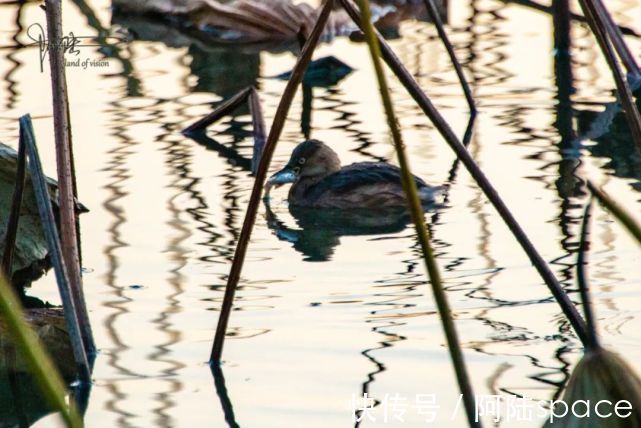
(301, 161)
(296, 169)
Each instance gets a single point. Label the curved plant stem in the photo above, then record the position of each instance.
(261, 174)
(222, 110)
(599, 28)
(477, 174)
(50, 230)
(66, 175)
(14, 215)
(30, 348)
(617, 40)
(626, 219)
(438, 23)
(418, 218)
(582, 278)
(258, 128)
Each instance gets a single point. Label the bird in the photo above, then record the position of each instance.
(319, 181)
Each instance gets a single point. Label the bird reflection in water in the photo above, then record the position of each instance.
(320, 229)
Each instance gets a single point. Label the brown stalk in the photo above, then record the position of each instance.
(438, 22)
(14, 215)
(254, 201)
(222, 110)
(258, 131)
(617, 39)
(55, 251)
(582, 277)
(62, 132)
(617, 210)
(418, 217)
(249, 94)
(625, 94)
(575, 17)
(461, 152)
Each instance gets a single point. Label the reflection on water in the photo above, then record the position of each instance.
(319, 230)
(614, 145)
(223, 70)
(118, 303)
(166, 212)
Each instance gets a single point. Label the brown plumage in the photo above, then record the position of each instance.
(319, 181)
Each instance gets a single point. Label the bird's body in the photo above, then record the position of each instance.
(319, 181)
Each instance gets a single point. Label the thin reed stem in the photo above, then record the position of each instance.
(34, 355)
(250, 95)
(254, 200)
(574, 16)
(624, 217)
(14, 215)
(477, 174)
(416, 210)
(623, 89)
(617, 39)
(55, 252)
(222, 110)
(582, 278)
(258, 128)
(62, 132)
(438, 22)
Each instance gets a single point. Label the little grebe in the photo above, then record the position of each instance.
(319, 181)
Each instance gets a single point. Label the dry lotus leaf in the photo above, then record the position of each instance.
(31, 247)
(252, 21)
(31, 250)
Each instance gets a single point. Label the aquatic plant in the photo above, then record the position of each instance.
(69, 224)
(261, 174)
(617, 211)
(416, 211)
(33, 353)
(600, 375)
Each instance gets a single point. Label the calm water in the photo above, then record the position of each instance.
(334, 314)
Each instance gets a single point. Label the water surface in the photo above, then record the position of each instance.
(339, 314)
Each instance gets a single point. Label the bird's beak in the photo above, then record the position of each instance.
(284, 176)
